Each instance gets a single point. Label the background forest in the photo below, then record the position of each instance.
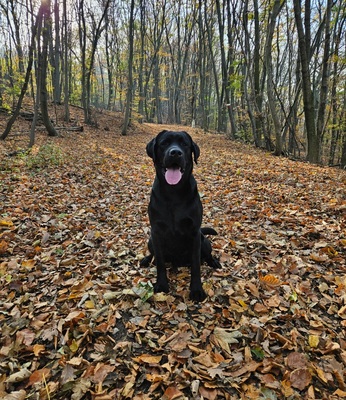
(272, 73)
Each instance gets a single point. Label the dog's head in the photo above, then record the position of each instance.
(173, 154)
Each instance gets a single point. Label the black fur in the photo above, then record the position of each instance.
(175, 213)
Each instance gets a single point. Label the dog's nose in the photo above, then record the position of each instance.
(175, 152)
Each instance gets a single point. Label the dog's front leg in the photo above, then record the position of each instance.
(196, 290)
(161, 284)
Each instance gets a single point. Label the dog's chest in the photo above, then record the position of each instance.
(176, 219)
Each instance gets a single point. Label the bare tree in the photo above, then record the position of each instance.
(128, 106)
(313, 153)
(45, 15)
(272, 101)
(88, 55)
(24, 88)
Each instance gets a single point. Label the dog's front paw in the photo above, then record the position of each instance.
(161, 287)
(197, 295)
(215, 263)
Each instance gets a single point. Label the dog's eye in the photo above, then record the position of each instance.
(164, 143)
(182, 142)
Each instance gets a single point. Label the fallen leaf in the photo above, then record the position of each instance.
(313, 341)
(15, 395)
(172, 393)
(270, 280)
(300, 378)
(39, 376)
(6, 223)
(18, 376)
(148, 359)
(225, 337)
(3, 246)
(296, 360)
(38, 348)
(248, 367)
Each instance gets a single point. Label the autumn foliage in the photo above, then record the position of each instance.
(78, 316)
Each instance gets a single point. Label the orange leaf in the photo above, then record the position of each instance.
(28, 264)
(38, 348)
(270, 280)
(318, 258)
(3, 247)
(41, 375)
(172, 393)
(330, 251)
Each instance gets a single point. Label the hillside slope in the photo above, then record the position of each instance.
(78, 316)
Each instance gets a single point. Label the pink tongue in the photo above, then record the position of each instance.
(173, 176)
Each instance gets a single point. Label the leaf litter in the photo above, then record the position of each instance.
(78, 315)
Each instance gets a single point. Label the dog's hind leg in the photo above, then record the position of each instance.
(206, 255)
(145, 262)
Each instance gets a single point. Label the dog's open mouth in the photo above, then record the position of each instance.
(173, 174)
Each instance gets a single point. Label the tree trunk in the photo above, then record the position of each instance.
(202, 67)
(313, 153)
(25, 84)
(258, 95)
(141, 62)
(209, 30)
(128, 106)
(55, 57)
(343, 155)
(43, 60)
(66, 66)
(278, 4)
(88, 59)
(325, 74)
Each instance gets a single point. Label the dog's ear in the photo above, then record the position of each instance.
(195, 151)
(151, 146)
(194, 148)
(151, 149)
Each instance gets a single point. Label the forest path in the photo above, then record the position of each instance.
(78, 316)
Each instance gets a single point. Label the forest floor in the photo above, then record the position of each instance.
(78, 317)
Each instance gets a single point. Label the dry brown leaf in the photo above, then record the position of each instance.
(208, 393)
(225, 337)
(320, 258)
(300, 378)
(18, 376)
(15, 395)
(340, 394)
(248, 367)
(296, 360)
(148, 359)
(3, 247)
(39, 376)
(172, 393)
(72, 260)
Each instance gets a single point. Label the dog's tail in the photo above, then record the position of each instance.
(208, 231)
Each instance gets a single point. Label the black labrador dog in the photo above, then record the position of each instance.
(175, 212)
